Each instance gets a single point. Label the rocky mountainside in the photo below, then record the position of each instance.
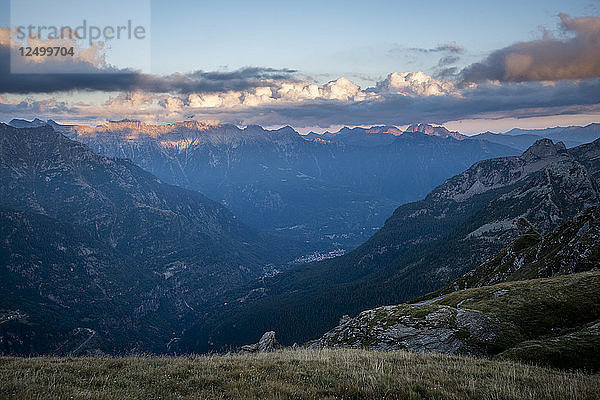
(528, 320)
(573, 247)
(111, 244)
(333, 194)
(552, 321)
(55, 276)
(423, 245)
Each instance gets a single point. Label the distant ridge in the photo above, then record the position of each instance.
(521, 139)
(424, 129)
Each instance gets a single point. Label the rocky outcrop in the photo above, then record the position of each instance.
(553, 321)
(543, 149)
(421, 328)
(266, 344)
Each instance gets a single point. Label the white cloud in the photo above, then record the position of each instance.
(214, 100)
(414, 84)
(285, 92)
(341, 89)
(295, 91)
(259, 96)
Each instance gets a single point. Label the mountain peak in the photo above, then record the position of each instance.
(286, 130)
(23, 123)
(431, 130)
(426, 129)
(544, 148)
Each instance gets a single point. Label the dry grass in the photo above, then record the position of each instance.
(302, 374)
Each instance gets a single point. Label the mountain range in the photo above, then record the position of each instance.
(330, 193)
(98, 255)
(459, 225)
(521, 139)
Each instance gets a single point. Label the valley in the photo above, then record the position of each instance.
(201, 280)
(300, 200)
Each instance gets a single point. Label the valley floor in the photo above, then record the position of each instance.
(300, 374)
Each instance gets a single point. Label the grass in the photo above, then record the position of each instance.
(532, 309)
(578, 349)
(289, 374)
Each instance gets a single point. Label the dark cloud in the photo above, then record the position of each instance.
(33, 108)
(449, 53)
(446, 47)
(448, 60)
(446, 73)
(93, 78)
(574, 56)
(446, 69)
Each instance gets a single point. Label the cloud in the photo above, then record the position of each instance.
(92, 73)
(341, 89)
(447, 60)
(446, 48)
(537, 78)
(31, 107)
(400, 98)
(377, 106)
(413, 84)
(395, 102)
(297, 91)
(574, 56)
(447, 54)
(302, 91)
(134, 100)
(214, 100)
(280, 92)
(510, 100)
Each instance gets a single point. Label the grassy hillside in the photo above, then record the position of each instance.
(301, 374)
(552, 321)
(579, 348)
(535, 308)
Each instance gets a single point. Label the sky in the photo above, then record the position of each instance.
(314, 65)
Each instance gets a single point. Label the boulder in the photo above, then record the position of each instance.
(266, 344)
